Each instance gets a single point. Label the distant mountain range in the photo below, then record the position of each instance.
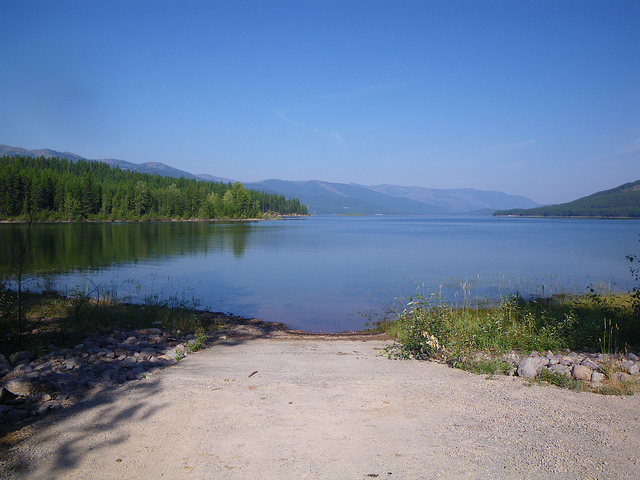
(154, 168)
(328, 198)
(619, 202)
(337, 198)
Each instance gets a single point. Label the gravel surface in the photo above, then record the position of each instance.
(314, 408)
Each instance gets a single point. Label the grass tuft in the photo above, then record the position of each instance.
(474, 339)
(63, 321)
(576, 323)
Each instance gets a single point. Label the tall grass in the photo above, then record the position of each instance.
(428, 329)
(64, 320)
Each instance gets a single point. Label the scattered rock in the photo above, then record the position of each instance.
(587, 362)
(16, 415)
(33, 387)
(72, 363)
(6, 395)
(584, 366)
(629, 367)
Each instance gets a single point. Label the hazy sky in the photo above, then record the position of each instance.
(535, 98)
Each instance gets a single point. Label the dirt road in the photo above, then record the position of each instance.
(318, 409)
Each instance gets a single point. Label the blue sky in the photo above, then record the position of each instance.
(536, 98)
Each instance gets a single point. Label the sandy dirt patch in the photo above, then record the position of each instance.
(295, 408)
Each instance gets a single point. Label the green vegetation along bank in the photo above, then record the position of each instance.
(52, 189)
(546, 332)
(620, 202)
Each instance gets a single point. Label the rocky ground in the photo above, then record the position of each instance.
(265, 402)
(591, 368)
(31, 387)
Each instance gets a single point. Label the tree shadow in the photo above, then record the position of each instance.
(97, 406)
(99, 415)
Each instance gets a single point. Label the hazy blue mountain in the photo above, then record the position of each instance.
(327, 198)
(462, 200)
(331, 198)
(154, 168)
(211, 178)
(7, 151)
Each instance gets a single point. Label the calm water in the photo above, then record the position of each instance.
(332, 273)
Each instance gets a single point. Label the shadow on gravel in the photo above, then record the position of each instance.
(97, 406)
(100, 417)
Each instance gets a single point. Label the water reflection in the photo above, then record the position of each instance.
(331, 273)
(58, 248)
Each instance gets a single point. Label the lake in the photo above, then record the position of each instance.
(330, 273)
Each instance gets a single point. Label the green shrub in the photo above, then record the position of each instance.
(558, 379)
(200, 341)
(594, 321)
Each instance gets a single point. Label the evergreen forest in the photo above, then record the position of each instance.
(54, 189)
(620, 202)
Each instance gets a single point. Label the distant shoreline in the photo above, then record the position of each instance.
(171, 220)
(583, 217)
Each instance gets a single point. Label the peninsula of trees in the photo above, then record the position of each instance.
(619, 202)
(53, 189)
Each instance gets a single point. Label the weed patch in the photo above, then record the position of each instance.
(559, 380)
(476, 339)
(618, 388)
(54, 319)
(199, 342)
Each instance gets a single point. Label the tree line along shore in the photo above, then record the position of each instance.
(619, 202)
(53, 189)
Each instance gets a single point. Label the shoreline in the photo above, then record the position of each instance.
(171, 220)
(578, 217)
(135, 341)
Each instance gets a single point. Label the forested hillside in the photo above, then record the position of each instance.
(619, 202)
(58, 189)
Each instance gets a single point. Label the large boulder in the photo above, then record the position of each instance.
(21, 357)
(587, 362)
(581, 372)
(21, 386)
(630, 368)
(530, 367)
